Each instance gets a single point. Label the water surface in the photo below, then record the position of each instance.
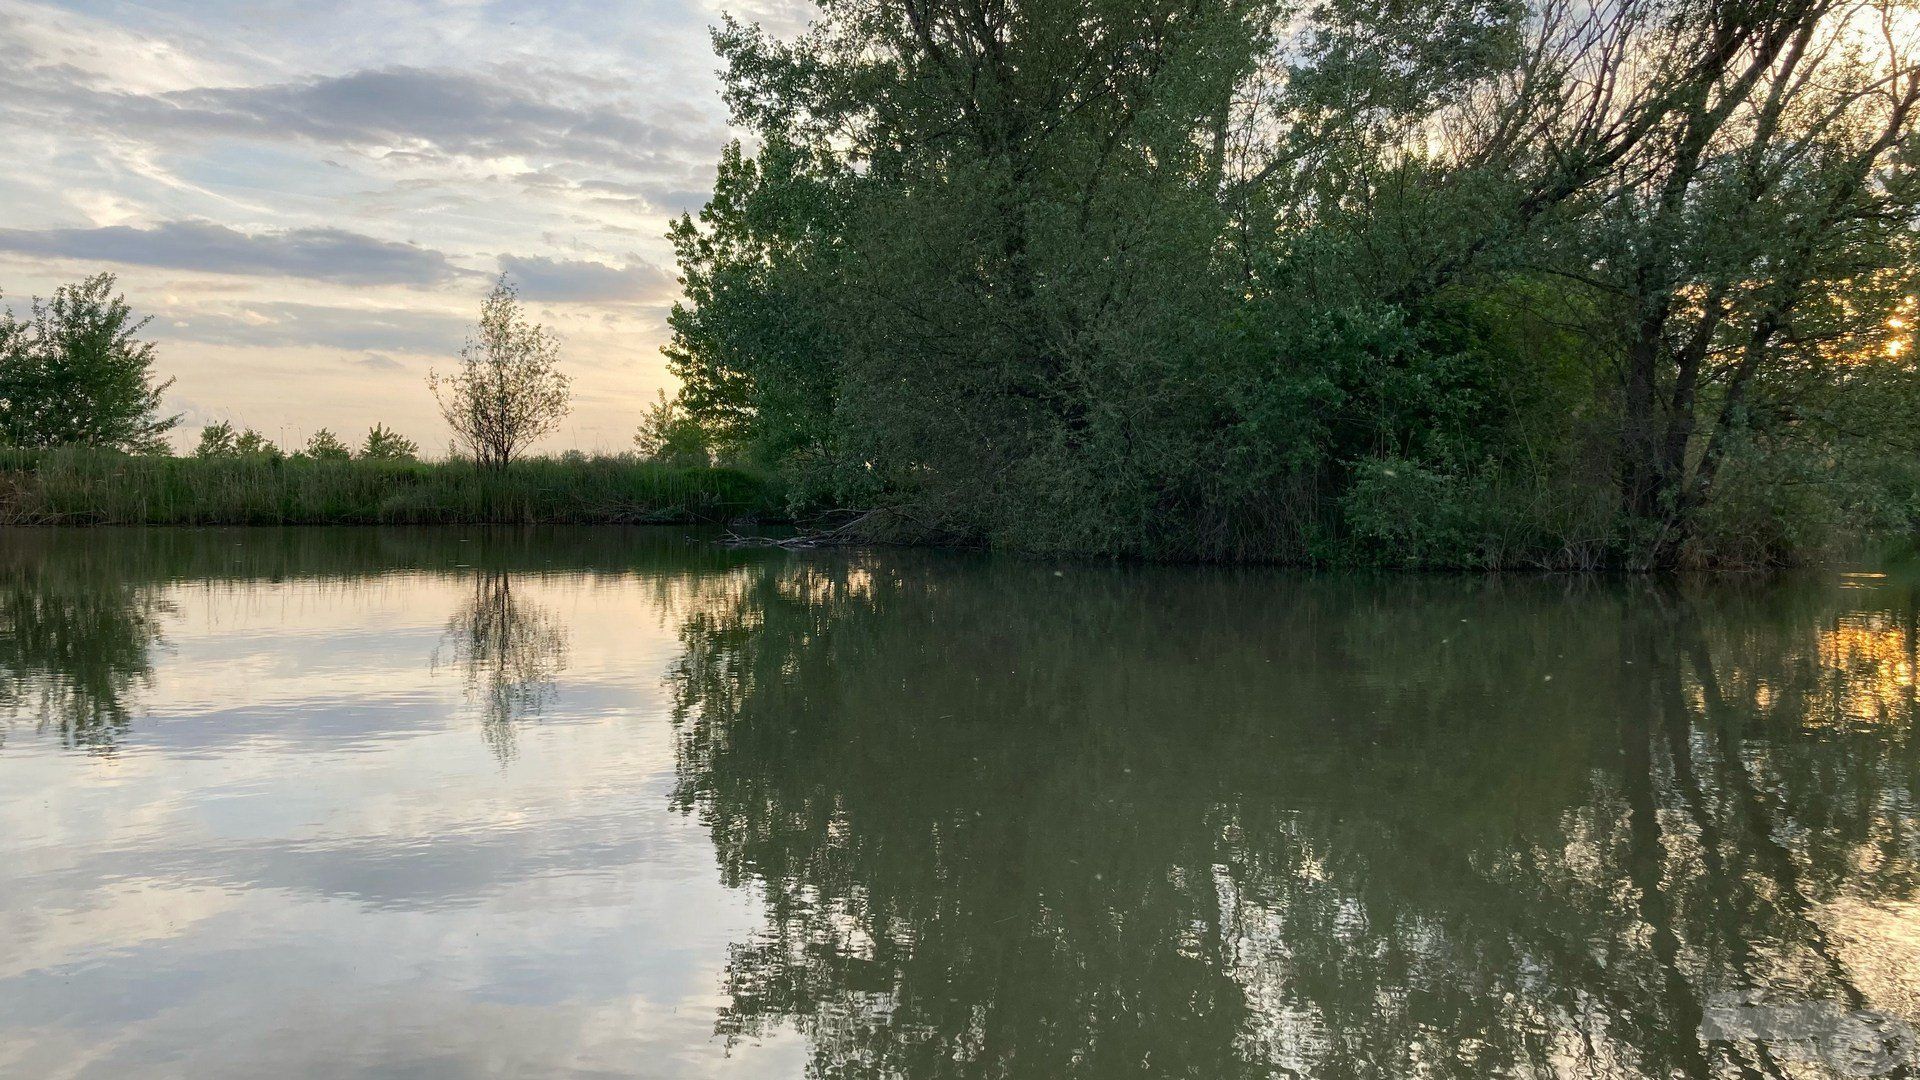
(617, 803)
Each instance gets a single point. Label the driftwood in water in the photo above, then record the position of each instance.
(848, 532)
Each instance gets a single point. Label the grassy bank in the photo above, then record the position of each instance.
(90, 487)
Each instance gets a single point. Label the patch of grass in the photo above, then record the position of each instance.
(82, 486)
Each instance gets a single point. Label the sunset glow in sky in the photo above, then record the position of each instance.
(311, 199)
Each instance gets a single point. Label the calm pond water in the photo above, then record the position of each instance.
(545, 803)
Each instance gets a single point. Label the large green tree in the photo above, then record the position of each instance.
(1477, 282)
(76, 373)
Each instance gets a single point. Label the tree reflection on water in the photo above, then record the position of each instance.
(1008, 822)
(82, 611)
(76, 638)
(509, 649)
(1213, 823)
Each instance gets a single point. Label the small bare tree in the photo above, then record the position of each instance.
(509, 389)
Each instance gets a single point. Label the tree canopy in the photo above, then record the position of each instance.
(1465, 282)
(76, 373)
(508, 389)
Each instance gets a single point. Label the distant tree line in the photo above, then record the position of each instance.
(1455, 282)
(75, 373)
(381, 444)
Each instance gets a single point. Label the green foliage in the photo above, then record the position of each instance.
(752, 344)
(508, 389)
(252, 444)
(221, 440)
(385, 444)
(218, 441)
(76, 373)
(1398, 512)
(1460, 283)
(80, 486)
(669, 435)
(324, 445)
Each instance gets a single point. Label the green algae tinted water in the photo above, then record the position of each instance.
(453, 803)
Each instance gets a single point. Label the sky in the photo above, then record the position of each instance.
(311, 199)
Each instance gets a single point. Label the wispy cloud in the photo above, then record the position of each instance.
(583, 281)
(417, 114)
(334, 255)
(371, 331)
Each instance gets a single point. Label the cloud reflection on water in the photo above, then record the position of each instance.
(467, 802)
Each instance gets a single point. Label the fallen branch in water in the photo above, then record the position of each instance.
(838, 536)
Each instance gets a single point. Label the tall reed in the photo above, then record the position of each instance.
(79, 486)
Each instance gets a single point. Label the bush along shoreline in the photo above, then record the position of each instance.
(91, 486)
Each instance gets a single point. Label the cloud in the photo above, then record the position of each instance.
(669, 195)
(374, 332)
(470, 129)
(587, 282)
(408, 113)
(334, 255)
(679, 200)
